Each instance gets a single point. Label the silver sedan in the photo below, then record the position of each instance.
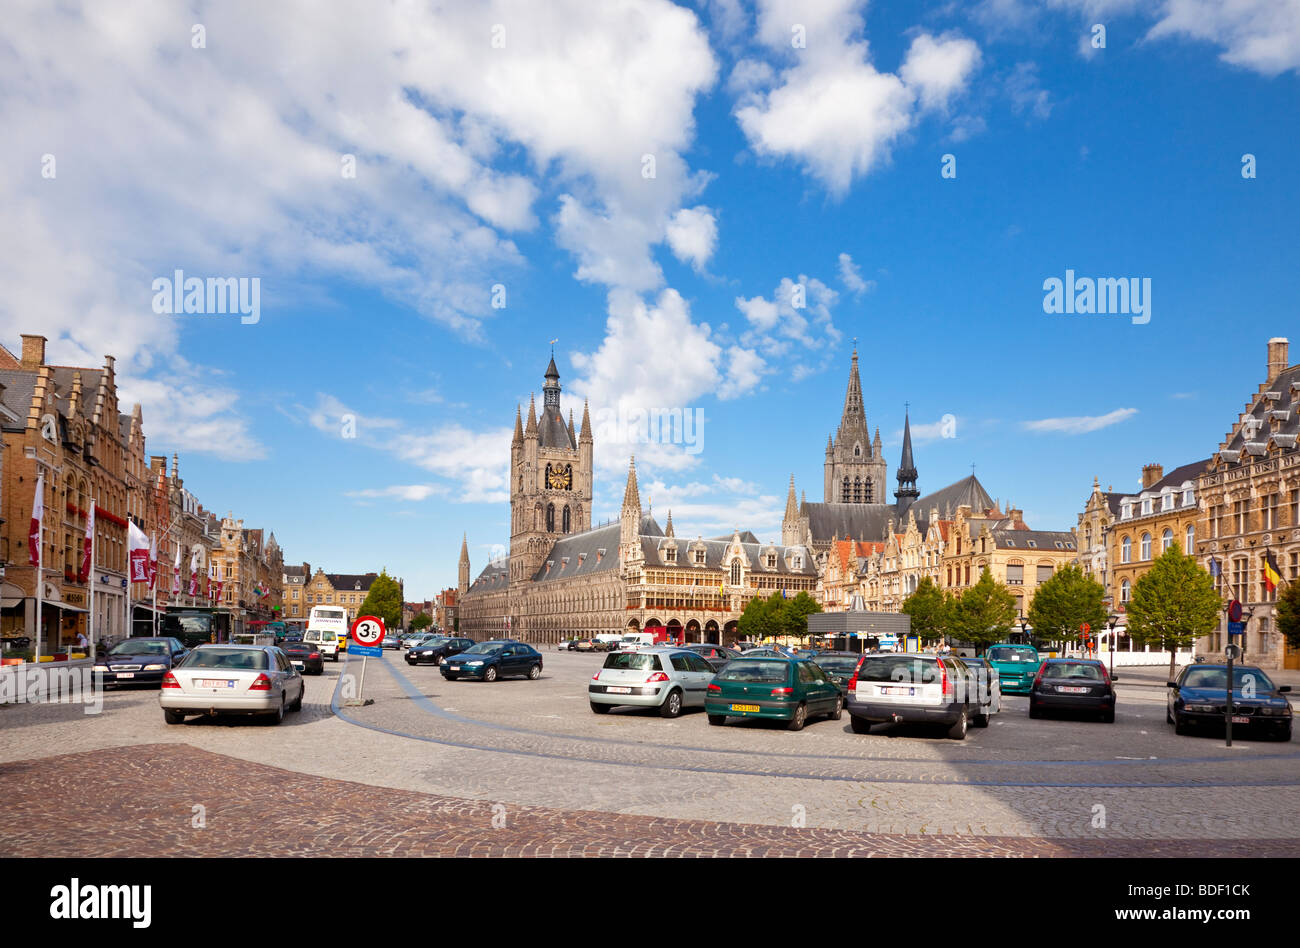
(232, 679)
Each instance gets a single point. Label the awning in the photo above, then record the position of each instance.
(7, 603)
(65, 607)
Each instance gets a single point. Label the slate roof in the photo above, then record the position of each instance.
(495, 576)
(20, 387)
(746, 536)
(553, 430)
(1273, 412)
(968, 491)
(344, 581)
(715, 553)
(855, 521)
(1032, 540)
(582, 554)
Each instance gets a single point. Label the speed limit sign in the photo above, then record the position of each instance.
(368, 631)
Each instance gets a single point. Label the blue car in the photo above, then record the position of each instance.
(1198, 700)
(488, 661)
(140, 661)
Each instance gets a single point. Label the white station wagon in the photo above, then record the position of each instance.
(232, 679)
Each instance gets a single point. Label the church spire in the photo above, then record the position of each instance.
(855, 415)
(518, 439)
(531, 430)
(632, 496)
(906, 475)
(668, 529)
(585, 433)
(573, 437)
(791, 504)
(462, 583)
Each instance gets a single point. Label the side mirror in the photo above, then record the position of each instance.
(1114, 677)
(1171, 684)
(1284, 688)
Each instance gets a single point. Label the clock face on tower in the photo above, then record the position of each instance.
(559, 479)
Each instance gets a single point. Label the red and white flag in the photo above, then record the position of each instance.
(176, 573)
(83, 574)
(138, 553)
(212, 579)
(194, 571)
(153, 560)
(38, 512)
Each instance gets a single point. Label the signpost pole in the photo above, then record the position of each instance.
(361, 685)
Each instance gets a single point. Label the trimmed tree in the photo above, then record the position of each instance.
(421, 621)
(1066, 601)
(928, 609)
(384, 600)
(795, 613)
(1173, 604)
(1288, 613)
(983, 614)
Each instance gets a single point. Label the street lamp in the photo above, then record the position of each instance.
(1112, 620)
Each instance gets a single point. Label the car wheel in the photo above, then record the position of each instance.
(1284, 735)
(437, 659)
(276, 716)
(1033, 711)
(958, 730)
(1169, 718)
(672, 706)
(297, 704)
(535, 672)
(981, 720)
(1108, 717)
(839, 710)
(490, 673)
(1179, 726)
(173, 717)
(717, 720)
(800, 718)
(859, 725)
(600, 708)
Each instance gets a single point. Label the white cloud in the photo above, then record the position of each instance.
(851, 277)
(1263, 35)
(776, 323)
(409, 492)
(939, 68)
(692, 235)
(714, 509)
(1026, 94)
(744, 371)
(191, 416)
(1081, 424)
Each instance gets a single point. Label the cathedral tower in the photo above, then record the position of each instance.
(855, 468)
(550, 480)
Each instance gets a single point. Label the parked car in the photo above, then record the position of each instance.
(914, 687)
(392, 640)
(839, 667)
(664, 677)
(588, 645)
(489, 661)
(764, 687)
(419, 638)
(436, 650)
(1198, 701)
(140, 661)
(716, 655)
(232, 679)
(566, 645)
(308, 659)
(770, 651)
(988, 679)
(1017, 666)
(1073, 684)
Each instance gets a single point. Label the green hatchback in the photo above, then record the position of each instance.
(1017, 666)
(782, 688)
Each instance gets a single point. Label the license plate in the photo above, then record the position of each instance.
(454, 668)
(619, 691)
(1240, 720)
(126, 674)
(298, 665)
(898, 691)
(1070, 690)
(214, 683)
(745, 707)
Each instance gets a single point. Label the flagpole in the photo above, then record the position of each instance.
(90, 578)
(40, 570)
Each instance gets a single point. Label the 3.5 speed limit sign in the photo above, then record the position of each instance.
(368, 630)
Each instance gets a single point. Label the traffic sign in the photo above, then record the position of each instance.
(366, 651)
(1232, 653)
(368, 630)
(1236, 628)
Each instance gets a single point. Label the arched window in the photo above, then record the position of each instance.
(1191, 538)
(1126, 550)
(566, 519)
(550, 518)
(857, 490)
(844, 494)
(1166, 539)
(735, 573)
(1124, 591)
(866, 491)
(1146, 546)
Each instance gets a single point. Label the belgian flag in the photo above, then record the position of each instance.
(1272, 572)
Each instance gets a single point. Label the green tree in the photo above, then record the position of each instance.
(1288, 613)
(757, 621)
(384, 600)
(421, 621)
(928, 608)
(1173, 604)
(1066, 601)
(795, 613)
(983, 614)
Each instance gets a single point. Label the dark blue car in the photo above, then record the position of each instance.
(1198, 701)
(140, 661)
(489, 661)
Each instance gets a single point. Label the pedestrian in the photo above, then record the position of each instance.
(82, 642)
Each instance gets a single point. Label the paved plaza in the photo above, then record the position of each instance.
(524, 767)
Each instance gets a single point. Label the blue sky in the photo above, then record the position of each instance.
(522, 165)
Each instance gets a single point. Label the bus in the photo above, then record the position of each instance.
(324, 622)
(194, 626)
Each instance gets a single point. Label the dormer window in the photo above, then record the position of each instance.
(1167, 500)
(699, 557)
(670, 555)
(771, 561)
(1146, 506)
(1188, 497)
(1126, 511)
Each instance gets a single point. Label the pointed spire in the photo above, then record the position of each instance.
(519, 428)
(573, 437)
(551, 371)
(854, 413)
(585, 434)
(668, 530)
(830, 445)
(791, 509)
(464, 547)
(531, 430)
(906, 475)
(631, 496)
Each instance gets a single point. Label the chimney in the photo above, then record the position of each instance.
(34, 351)
(1150, 474)
(1277, 355)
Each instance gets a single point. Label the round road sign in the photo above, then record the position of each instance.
(368, 630)
(1232, 652)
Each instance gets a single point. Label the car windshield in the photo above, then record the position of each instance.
(140, 647)
(1011, 653)
(633, 661)
(899, 668)
(436, 640)
(1218, 678)
(228, 658)
(744, 669)
(484, 648)
(838, 664)
(1072, 670)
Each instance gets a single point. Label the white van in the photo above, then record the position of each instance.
(636, 640)
(326, 627)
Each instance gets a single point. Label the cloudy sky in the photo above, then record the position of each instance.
(704, 203)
